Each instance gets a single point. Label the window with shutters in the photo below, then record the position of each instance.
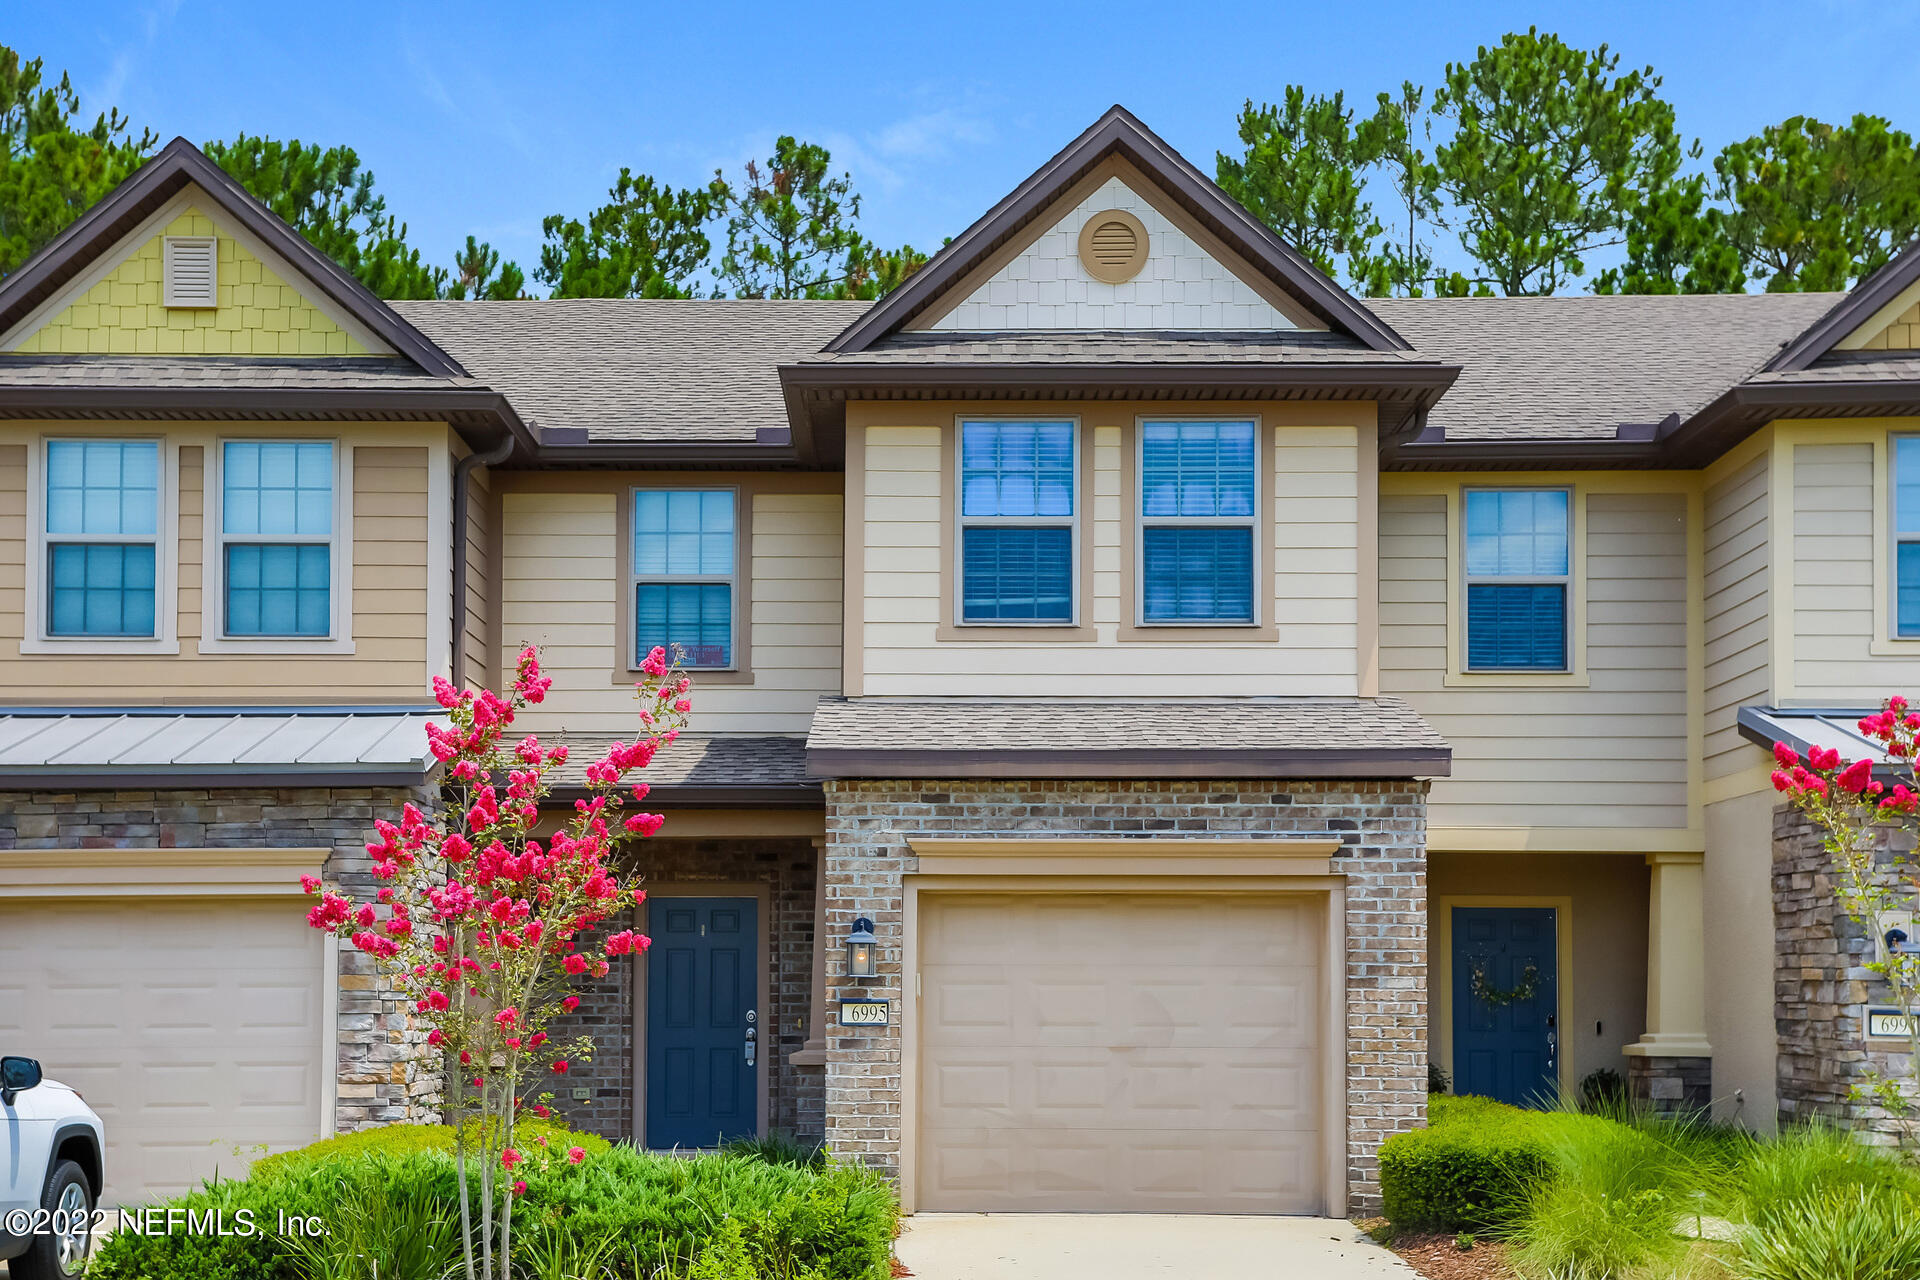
(1199, 492)
(686, 559)
(1018, 522)
(192, 268)
(1518, 576)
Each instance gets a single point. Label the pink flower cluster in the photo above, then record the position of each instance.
(1824, 777)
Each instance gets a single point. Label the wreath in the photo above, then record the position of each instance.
(1499, 997)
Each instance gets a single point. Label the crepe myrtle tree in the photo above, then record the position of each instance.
(1873, 878)
(482, 928)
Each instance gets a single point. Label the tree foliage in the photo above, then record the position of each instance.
(1301, 173)
(792, 227)
(1812, 206)
(1551, 151)
(52, 168)
(647, 241)
(328, 198)
(478, 273)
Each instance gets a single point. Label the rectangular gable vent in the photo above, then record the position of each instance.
(193, 271)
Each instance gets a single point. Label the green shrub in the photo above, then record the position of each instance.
(1854, 1233)
(623, 1214)
(1617, 1193)
(404, 1139)
(1468, 1169)
(1810, 1162)
(779, 1148)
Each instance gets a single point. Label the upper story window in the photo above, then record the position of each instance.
(684, 574)
(1197, 512)
(1906, 536)
(277, 532)
(1517, 579)
(1017, 521)
(102, 537)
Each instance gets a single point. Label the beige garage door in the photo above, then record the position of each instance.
(192, 1027)
(1154, 1053)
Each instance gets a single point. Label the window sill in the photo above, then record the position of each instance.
(1517, 679)
(1895, 647)
(1015, 633)
(102, 645)
(630, 676)
(289, 646)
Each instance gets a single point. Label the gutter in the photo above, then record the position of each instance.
(461, 471)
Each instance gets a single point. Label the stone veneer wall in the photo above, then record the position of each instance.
(1671, 1086)
(1382, 825)
(606, 1012)
(384, 1075)
(1822, 988)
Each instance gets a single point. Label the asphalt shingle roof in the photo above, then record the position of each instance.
(636, 369)
(694, 761)
(1575, 368)
(241, 373)
(856, 737)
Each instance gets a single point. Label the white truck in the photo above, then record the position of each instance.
(52, 1166)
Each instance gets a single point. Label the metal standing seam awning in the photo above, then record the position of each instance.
(214, 746)
(1836, 728)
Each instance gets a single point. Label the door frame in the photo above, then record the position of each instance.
(1440, 985)
(1273, 867)
(763, 987)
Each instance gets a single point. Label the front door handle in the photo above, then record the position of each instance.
(749, 1051)
(752, 1040)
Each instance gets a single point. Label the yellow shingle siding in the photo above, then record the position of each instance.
(258, 313)
(1903, 334)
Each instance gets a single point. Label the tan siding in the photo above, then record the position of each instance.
(388, 577)
(478, 610)
(561, 588)
(1737, 615)
(1835, 540)
(1612, 754)
(1307, 596)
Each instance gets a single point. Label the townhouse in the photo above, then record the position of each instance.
(1150, 704)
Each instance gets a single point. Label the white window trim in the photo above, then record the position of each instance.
(166, 540)
(1469, 580)
(635, 578)
(961, 521)
(213, 599)
(1895, 538)
(1141, 520)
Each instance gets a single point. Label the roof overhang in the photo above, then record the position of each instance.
(1855, 309)
(1043, 762)
(1803, 728)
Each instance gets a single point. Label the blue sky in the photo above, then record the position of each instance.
(483, 117)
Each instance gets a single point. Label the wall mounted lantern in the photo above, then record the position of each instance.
(860, 949)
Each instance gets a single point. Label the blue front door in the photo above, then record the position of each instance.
(702, 1028)
(1506, 992)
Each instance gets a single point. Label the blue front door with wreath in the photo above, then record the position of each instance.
(1506, 995)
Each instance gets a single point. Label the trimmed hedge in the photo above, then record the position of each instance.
(404, 1139)
(632, 1214)
(1470, 1168)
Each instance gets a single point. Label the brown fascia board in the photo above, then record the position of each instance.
(1848, 314)
(175, 166)
(851, 375)
(1339, 762)
(1119, 130)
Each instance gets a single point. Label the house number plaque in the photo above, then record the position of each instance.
(865, 1012)
(1886, 1024)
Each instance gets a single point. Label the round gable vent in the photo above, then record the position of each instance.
(1113, 246)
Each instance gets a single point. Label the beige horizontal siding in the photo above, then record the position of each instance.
(1308, 594)
(388, 578)
(478, 608)
(1738, 623)
(1611, 754)
(562, 589)
(1835, 541)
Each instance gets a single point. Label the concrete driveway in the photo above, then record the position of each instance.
(1098, 1246)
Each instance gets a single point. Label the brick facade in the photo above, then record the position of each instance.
(1382, 826)
(384, 1071)
(786, 867)
(1822, 988)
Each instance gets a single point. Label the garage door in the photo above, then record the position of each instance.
(1153, 1053)
(192, 1027)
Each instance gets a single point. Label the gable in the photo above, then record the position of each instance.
(259, 311)
(1187, 281)
(1894, 327)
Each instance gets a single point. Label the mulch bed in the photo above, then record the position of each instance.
(1438, 1255)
